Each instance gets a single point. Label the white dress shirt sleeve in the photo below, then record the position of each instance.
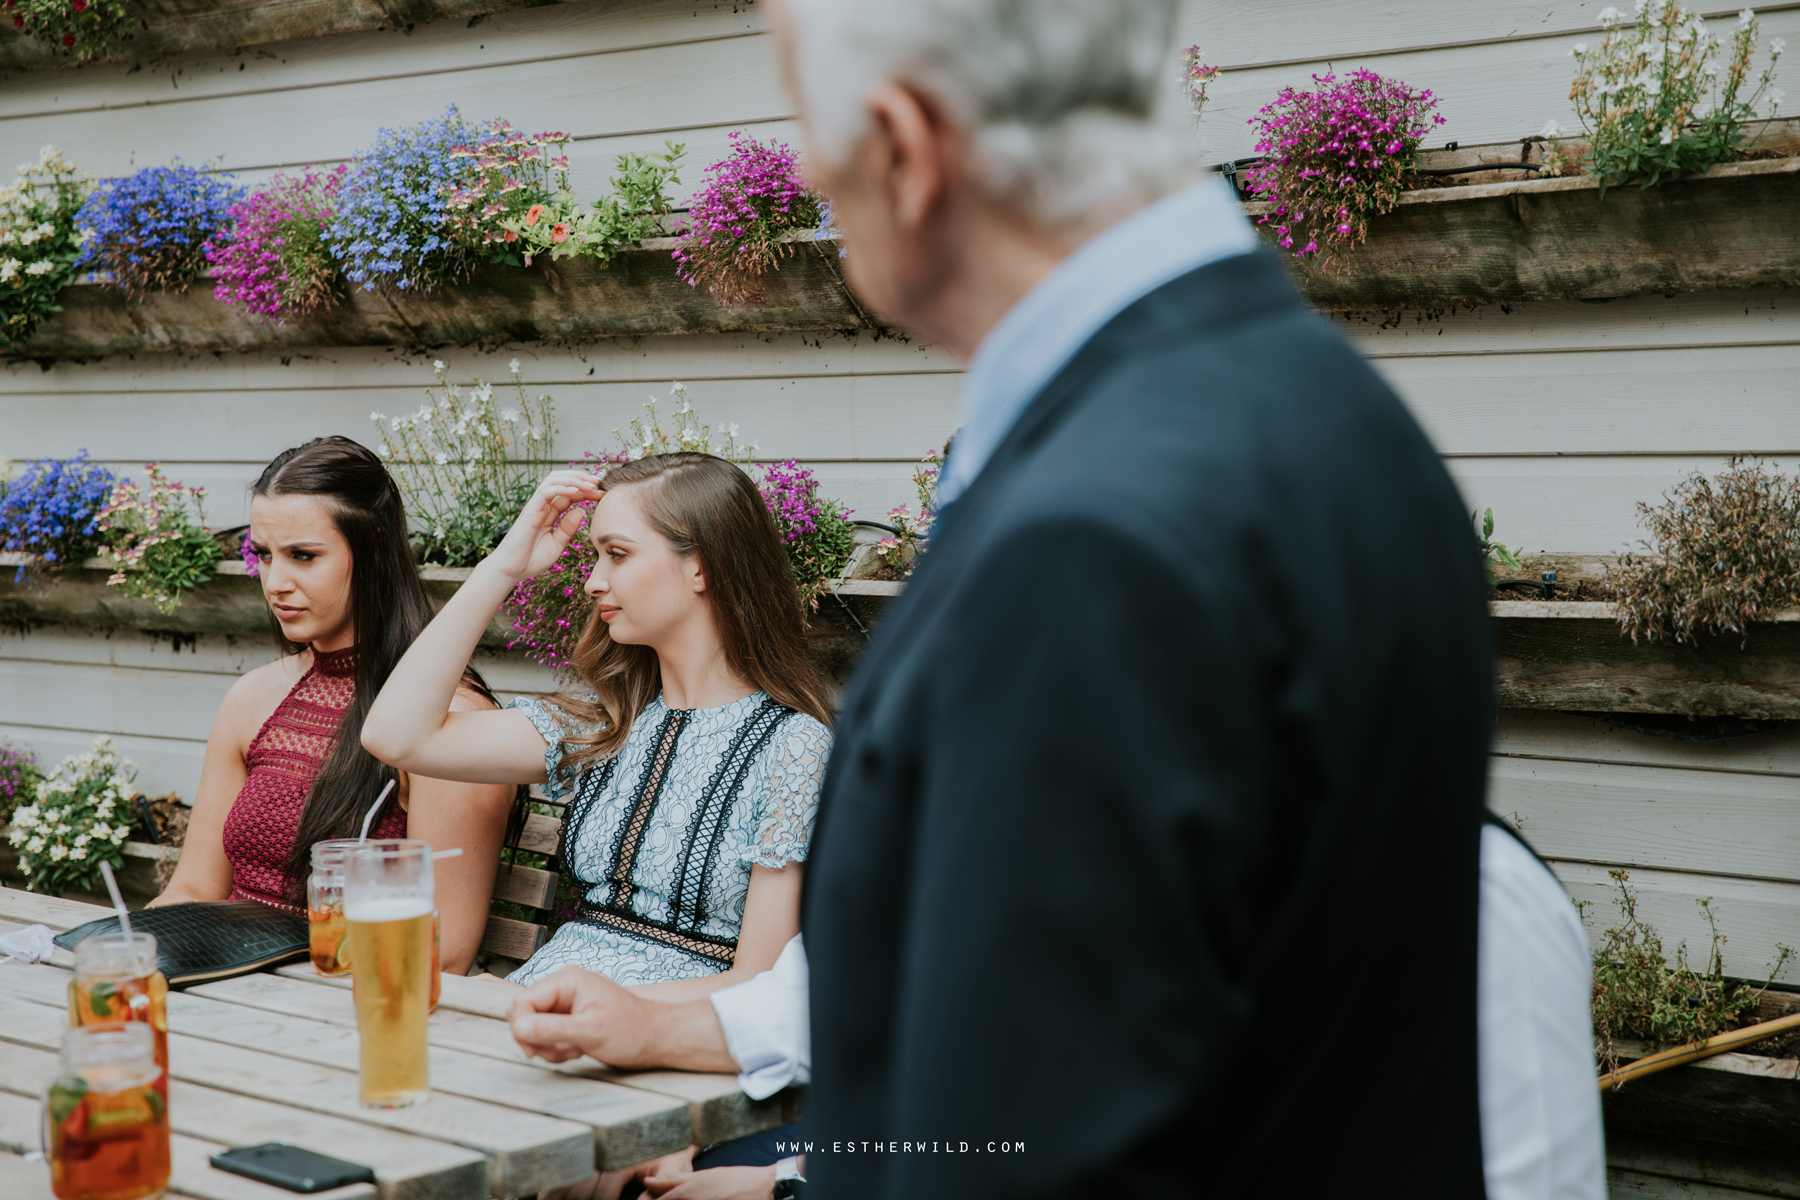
(1540, 1111)
(767, 1025)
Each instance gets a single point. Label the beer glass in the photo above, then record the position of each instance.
(117, 980)
(106, 1118)
(388, 902)
(327, 933)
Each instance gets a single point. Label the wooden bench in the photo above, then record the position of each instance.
(508, 941)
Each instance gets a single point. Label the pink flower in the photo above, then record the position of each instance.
(534, 214)
(559, 232)
(510, 236)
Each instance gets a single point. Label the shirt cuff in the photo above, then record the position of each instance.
(767, 1027)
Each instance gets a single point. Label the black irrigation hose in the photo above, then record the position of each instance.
(877, 525)
(1231, 170)
(1547, 589)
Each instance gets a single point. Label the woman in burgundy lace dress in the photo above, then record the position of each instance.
(285, 765)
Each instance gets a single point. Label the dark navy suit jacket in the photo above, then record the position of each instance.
(1146, 863)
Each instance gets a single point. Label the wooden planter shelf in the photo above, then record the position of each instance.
(183, 26)
(1500, 239)
(574, 300)
(1557, 655)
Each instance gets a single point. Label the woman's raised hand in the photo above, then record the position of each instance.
(545, 525)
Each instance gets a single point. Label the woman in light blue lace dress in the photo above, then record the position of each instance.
(692, 757)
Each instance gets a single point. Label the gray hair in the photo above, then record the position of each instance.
(1070, 105)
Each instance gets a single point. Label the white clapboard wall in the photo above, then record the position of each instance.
(1560, 416)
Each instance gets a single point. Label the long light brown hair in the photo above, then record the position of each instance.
(703, 506)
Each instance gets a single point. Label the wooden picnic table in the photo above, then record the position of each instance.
(272, 1056)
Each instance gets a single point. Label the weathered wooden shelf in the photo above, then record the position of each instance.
(1501, 239)
(182, 26)
(1734, 226)
(1569, 656)
(1558, 655)
(572, 300)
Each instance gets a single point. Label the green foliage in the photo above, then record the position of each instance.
(466, 465)
(1638, 995)
(1654, 100)
(39, 241)
(1491, 551)
(81, 29)
(158, 542)
(1723, 552)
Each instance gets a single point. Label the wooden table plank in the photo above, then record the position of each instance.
(406, 1167)
(29, 908)
(630, 1125)
(21, 1180)
(192, 1174)
(720, 1109)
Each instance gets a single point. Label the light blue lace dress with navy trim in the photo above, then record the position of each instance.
(664, 834)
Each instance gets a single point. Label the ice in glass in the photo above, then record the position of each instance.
(106, 1118)
(117, 980)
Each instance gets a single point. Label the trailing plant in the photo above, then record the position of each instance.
(548, 612)
(1335, 157)
(81, 29)
(1640, 996)
(1722, 552)
(466, 463)
(1656, 102)
(275, 262)
(157, 541)
(80, 817)
(900, 552)
(52, 512)
(19, 776)
(391, 225)
(150, 231)
(1196, 77)
(735, 234)
(1491, 551)
(522, 207)
(815, 532)
(40, 241)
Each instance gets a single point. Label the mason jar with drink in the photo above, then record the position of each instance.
(328, 934)
(106, 1118)
(116, 980)
(388, 905)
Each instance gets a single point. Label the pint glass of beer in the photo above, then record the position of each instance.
(106, 1119)
(388, 902)
(116, 979)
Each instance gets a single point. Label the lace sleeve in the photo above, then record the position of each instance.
(551, 729)
(784, 827)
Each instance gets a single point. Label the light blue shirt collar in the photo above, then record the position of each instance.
(1038, 336)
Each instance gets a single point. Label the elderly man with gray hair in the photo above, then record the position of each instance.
(1148, 857)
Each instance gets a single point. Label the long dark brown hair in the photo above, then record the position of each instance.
(704, 506)
(388, 609)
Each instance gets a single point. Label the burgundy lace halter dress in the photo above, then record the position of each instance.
(284, 757)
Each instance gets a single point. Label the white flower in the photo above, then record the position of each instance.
(81, 839)
(118, 833)
(9, 268)
(1609, 13)
(35, 845)
(1747, 16)
(1550, 130)
(513, 366)
(437, 364)
(1668, 135)
(1776, 96)
(439, 459)
(1578, 48)
(1777, 46)
(77, 854)
(58, 852)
